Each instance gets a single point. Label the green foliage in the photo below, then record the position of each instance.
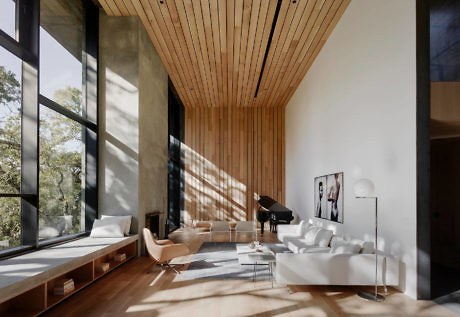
(60, 159)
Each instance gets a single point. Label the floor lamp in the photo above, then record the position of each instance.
(364, 188)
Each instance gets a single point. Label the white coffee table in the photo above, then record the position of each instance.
(245, 249)
(267, 257)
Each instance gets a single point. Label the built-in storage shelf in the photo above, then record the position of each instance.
(38, 299)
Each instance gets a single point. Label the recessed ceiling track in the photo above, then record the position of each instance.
(275, 19)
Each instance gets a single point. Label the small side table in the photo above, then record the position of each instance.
(265, 256)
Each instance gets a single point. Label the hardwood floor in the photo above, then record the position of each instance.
(131, 291)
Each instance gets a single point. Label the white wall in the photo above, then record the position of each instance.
(355, 111)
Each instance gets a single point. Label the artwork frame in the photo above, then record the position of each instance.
(328, 197)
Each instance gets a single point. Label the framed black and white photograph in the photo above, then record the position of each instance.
(329, 197)
(320, 197)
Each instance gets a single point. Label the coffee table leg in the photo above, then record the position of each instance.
(271, 271)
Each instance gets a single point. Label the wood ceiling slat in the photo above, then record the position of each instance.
(106, 7)
(289, 30)
(172, 47)
(282, 25)
(113, 7)
(187, 53)
(162, 12)
(254, 20)
(205, 9)
(243, 50)
(262, 15)
(338, 14)
(215, 27)
(316, 18)
(196, 26)
(293, 48)
(190, 34)
(230, 32)
(165, 58)
(199, 20)
(265, 35)
(121, 7)
(223, 49)
(214, 51)
(130, 7)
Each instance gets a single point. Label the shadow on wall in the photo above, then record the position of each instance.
(119, 139)
(210, 192)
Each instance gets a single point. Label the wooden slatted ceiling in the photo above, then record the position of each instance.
(214, 50)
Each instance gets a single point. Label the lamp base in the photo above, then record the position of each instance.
(371, 296)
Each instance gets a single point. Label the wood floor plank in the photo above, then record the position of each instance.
(131, 290)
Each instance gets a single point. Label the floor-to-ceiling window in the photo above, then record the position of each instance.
(175, 160)
(48, 121)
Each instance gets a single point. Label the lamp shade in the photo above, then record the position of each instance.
(363, 188)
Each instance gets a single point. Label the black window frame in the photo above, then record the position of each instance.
(26, 47)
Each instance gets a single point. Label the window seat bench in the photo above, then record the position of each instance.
(27, 281)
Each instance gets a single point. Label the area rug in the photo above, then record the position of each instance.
(219, 260)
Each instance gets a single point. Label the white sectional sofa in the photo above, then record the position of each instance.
(320, 258)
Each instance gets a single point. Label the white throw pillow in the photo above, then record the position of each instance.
(323, 237)
(310, 235)
(344, 247)
(302, 228)
(368, 247)
(106, 228)
(335, 240)
(125, 222)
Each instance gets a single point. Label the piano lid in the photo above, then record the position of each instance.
(271, 204)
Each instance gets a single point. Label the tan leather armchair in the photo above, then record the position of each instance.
(163, 251)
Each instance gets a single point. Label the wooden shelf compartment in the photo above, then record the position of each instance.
(129, 250)
(81, 276)
(30, 303)
(40, 298)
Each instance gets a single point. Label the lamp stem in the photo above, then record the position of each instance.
(376, 248)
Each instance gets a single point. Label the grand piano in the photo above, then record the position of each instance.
(270, 209)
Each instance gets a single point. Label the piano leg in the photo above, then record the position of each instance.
(262, 225)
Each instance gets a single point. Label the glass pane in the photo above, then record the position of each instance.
(61, 178)
(10, 222)
(8, 17)
(61, 45)
(10, 122)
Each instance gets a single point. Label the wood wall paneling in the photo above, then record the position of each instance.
(232, 155)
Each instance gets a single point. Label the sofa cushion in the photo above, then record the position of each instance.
(314, 249)
(285, 237)
(344, 247)
(310, 234)
(302, 228)
(323, 237)
(296, 244)
(368, 247)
